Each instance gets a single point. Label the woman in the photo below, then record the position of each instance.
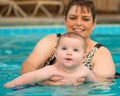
(79, 18)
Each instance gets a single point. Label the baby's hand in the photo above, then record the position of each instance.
(9, 85)
(56, 78)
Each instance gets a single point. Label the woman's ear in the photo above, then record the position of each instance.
(84, 57)
(94, 24)
(64, 21)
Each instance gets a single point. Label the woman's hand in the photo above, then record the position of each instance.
(54, 80)
(79, 81)
(58, 81)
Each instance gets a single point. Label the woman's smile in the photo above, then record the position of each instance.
(78, 30)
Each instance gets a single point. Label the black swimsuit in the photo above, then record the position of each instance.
(51, 60)
(90, 56)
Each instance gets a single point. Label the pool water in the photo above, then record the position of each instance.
(17, 42)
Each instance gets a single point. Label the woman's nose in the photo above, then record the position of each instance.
(78, 22)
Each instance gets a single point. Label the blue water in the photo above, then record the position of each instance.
(17, 42)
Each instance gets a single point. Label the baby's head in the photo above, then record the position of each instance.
(70, 50)
(73, 35)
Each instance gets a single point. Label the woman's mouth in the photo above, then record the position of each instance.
(78, 30)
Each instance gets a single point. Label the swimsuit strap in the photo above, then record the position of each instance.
(90, 56)
(58, 35)
(51, 59)
(98, 45)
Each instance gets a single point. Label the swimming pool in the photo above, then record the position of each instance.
(17, 42)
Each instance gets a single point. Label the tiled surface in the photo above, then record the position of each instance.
(107, 30)
(29, 30)
(99, 30)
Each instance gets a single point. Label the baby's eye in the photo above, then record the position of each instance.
(76, 50)
(64, 48)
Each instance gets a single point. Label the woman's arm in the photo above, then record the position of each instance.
(103, 65)
(40, 54)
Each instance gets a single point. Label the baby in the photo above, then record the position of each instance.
(69, 53)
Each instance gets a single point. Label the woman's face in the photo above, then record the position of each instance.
(79, 20)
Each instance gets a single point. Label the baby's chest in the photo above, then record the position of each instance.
(72, 78)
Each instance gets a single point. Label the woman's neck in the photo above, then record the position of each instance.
(90, 45)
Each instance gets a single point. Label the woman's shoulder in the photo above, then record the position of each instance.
(51, 37)
(103, 50)
(102, 53)
(47, 43)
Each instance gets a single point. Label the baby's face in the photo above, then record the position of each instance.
(69, 52)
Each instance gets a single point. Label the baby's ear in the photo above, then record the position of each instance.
(55, 52)
(85, 55)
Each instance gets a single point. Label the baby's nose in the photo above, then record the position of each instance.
(69, 52)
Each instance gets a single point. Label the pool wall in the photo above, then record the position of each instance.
(98, 30)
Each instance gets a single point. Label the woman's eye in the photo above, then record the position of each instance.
(72, 18)
(86, 19)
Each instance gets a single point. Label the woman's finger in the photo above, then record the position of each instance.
(55, 78)
(81, 79)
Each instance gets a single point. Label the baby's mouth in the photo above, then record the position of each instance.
(68, 59)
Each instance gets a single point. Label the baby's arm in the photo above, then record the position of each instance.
(34, 76)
